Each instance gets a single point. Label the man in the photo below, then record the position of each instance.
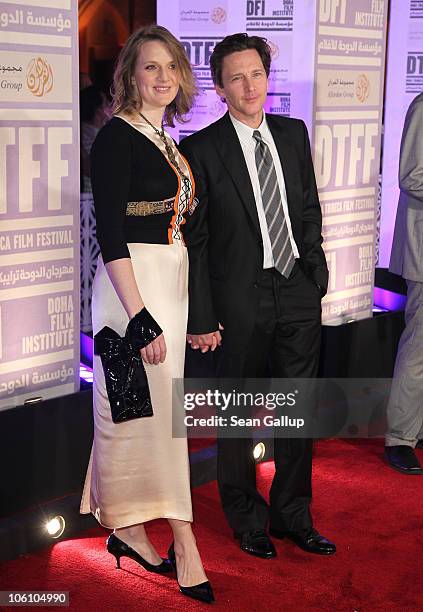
(405, 407)
(258, 270)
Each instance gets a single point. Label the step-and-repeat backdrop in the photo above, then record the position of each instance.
(39, 200)
(201, 25)
(328, 61)
(404, 80)
(348, 103)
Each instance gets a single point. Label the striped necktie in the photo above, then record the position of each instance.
(283, 255)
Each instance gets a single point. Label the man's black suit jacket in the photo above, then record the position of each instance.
(223, 234)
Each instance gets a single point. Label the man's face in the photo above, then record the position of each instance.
(244, 86)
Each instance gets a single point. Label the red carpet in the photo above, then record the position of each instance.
(374, 515)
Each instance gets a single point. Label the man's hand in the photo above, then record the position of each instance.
(204, 342)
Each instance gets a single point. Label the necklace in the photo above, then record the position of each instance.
(161, 134)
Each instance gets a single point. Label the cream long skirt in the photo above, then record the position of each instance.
(137, 470)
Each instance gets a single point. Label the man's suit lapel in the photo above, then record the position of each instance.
(233, 159)
(288, 157)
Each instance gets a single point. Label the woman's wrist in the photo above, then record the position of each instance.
(142, 329)
(134, 311)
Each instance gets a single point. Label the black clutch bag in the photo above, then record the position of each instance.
(126, 380)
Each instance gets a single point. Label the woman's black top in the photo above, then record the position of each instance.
(127, 165)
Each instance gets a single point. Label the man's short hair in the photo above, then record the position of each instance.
(238, 42)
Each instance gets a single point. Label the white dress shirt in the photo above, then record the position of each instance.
(248, 145)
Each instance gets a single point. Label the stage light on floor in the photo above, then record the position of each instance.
(259, 451)
(56, 526)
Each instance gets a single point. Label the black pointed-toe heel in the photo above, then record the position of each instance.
(201, 592)
(119, 549)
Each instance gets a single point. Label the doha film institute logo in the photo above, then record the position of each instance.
(218, 15)
(362, 88)
(39, 77)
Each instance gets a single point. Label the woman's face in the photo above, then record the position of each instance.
(156, 76)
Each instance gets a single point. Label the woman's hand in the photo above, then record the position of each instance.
(155, 352)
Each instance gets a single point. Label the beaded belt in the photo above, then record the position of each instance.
(143, 209)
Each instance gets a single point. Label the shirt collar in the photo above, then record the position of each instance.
(245, 132)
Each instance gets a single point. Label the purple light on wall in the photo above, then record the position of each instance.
(388, 299)
(87, 350)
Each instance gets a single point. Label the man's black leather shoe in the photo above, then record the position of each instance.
(257, 543)
(308, 539)
(403, 459)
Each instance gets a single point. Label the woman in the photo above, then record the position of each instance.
(142, 189)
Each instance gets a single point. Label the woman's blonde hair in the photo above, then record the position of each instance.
(125, 95)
